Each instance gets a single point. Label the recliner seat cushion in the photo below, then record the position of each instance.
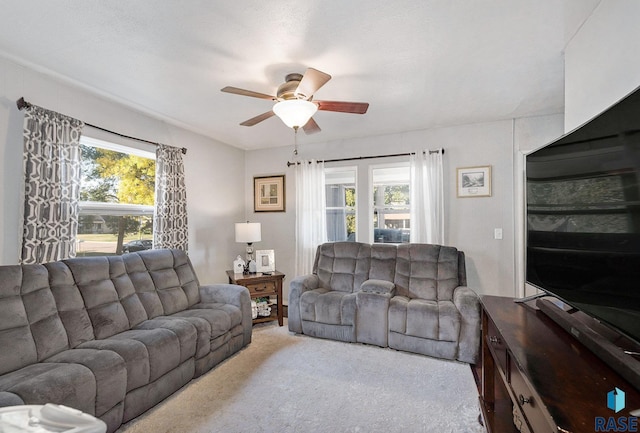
(434, 320)
(328, 306)
(109, 371)
(148, 353)
(45, 382)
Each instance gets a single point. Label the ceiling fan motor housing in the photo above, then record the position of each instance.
(287, 90)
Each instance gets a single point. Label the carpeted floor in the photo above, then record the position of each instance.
(284, 382)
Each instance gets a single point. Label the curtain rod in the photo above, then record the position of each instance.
(22, 104)
(356, 158)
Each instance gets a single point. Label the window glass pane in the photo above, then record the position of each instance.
(340, 191)
(98, 234)
(117, 199)
(391, 207)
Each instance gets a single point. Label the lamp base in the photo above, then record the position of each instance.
(250, 267)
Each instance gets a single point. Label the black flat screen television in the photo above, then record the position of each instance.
(583, 217)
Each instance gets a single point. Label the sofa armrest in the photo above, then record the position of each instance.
(297, 287)
(468, 303)
(231, 294)
(381, 287)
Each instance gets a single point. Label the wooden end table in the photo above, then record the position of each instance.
(262, 285)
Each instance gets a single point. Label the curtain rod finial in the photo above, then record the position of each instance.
(21, 103)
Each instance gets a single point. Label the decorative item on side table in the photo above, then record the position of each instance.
(248, 233)
(269, 194)
(474, 181)
(265, 261)
(262, 287)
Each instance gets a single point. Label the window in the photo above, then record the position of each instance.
(116, 198)
(340, 184)
(391, 220)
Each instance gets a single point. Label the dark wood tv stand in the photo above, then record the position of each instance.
(537, 375)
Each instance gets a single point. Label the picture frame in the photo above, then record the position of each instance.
(473, 181)
(265, 261)
(269, 193)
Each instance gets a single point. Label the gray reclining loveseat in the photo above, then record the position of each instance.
(113, 336)
(410, 297)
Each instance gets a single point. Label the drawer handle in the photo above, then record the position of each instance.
(260, 289)
(524, 400)
(493, 339)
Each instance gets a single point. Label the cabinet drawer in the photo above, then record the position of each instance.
(528, 402)
(495, 343)
(260, 289)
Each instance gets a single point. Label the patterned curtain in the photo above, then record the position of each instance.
(52, 185)
(170, 216)
(311, 214)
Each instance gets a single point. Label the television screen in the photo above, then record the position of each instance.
(583, 217)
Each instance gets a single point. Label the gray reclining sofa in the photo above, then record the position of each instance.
(113, 336)
(410, 297)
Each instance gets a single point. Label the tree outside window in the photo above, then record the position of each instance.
(117, 197)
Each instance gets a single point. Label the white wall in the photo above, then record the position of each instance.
(602, 64)
(214, 171)
(470, 221)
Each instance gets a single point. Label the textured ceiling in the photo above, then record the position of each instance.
(419, 63)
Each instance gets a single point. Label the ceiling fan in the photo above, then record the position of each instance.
(295, 106)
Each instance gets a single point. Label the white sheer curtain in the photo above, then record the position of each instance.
(52, 185)
(170, 228)
(311, 220)
(427, 198)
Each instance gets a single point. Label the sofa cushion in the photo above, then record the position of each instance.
(383, 262)
(93, 278)
(434, 320)
(144, 285)
(185, 331)
(127, 295)
(71, 308)
(29, 320)
(173, 278)
(221, 318)
(14, 324)
(47, 328)
(328, 306)
(70, 384)
(148, 353)
(109, 371)
(342, 266)
(426, 271)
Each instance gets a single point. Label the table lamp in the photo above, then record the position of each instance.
(249, 233)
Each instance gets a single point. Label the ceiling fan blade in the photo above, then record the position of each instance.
(243, 92)
(258, 119)
(343, 107)
(311, 127)
(311, 81)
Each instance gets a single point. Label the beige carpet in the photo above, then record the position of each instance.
(284, 382)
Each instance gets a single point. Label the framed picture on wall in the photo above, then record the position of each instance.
(269, 194)
(474, 181)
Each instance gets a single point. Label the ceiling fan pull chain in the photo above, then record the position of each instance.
(295, 140)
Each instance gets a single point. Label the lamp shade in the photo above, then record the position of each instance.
(295, 112)
(248, 232)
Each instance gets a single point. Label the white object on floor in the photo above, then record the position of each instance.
(48, 418)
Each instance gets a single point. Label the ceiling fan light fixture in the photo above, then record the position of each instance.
(295, 112)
